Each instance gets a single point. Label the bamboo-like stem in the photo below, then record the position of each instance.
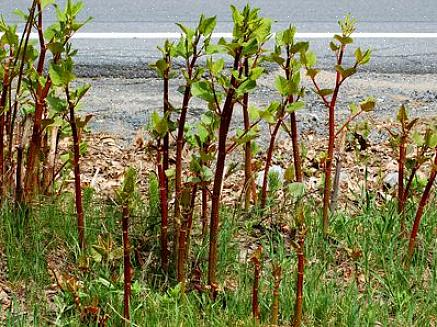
(248, 180)
(204, 211)
(185, 232)
(163, 193)
(190, 66)
(297, 159)
(41, 94)
(23, 47)
(277, 272)
(422, 204)
(331, 147)
(226, 116)
(401, 172)
(3, 98)
(338, 168)
(269, 162)
(76, 167)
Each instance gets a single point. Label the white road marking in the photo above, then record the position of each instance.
(147, 36)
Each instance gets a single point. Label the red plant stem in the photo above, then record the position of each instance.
(181, 132)
(297, 159)
(423, 202)
(204, 210)
(401, 172)
(275, 303)
(76, 167)
(225, 121)
(24, 39)
(248, 181)
(331, 148)
(3, 98)
(165, 152)
(126, 263)
(338, 168)
(41, 94)
(300, 276)
(184, 237)
(409, 183)
(268, 163)
(164, 211)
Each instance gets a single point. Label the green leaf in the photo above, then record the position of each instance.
(61, 74)
(345, 73)
(202, 133)
(353, 108)
(333, 46)
(189, 33)
(344, 40)
(81, 91)
(129, 182)
(255, 73)
(245, 87)
(160, 124)
(368, 105)
(56, 48)
(431, 139)
(20, 14)
(254, 113)
(288, 35)
(312, 73)
(207, 25)
(299, 47)
(202, 90)
(366, 57)
(309, 59)
(418, 138)
(162, 67)
(289, 174)
(324, 92)
(57, 104)
(45, 3)
(287, 87)
(217, 66)
(292, 107)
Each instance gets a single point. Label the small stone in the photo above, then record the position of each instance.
(275, 169)
(5, 300)
(391, 179)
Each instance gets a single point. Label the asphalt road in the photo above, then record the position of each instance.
(129, 58)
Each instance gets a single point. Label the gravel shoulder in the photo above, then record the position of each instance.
(122, 106)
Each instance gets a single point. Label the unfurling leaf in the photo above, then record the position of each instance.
(402, 115)
(292, 107)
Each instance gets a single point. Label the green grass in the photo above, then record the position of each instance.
(381, 293)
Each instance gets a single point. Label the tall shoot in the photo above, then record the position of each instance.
(190, 48)
(329, 97)
(431, 141)
(290, 88)
(125, 196)
(249, 31)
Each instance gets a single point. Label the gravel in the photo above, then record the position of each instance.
(122, 106)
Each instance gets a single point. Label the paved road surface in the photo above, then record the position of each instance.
(128, 57)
